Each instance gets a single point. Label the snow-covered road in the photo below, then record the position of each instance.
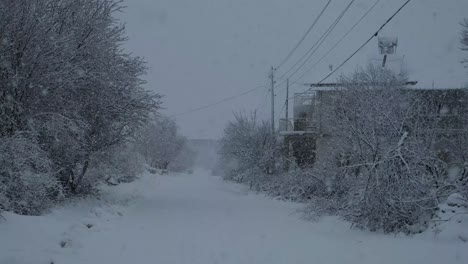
(190, 219)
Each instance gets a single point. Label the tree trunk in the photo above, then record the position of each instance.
(77, 182)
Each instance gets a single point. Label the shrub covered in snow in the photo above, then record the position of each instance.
(66, 84)
(27, 184)
(249, 150)
(391, 163)
(185, 160)
(162, 146)
(121, 164)
(384, 168)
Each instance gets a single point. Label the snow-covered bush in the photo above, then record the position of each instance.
(387, 165)
(250, 153)
(65, 79)
(185, 160)
(160, 143)
(61, 139)
(66, 82)
(121, 164)
(387, 159)
(249, 150)
(28, 185)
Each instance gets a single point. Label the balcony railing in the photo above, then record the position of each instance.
(298, 125)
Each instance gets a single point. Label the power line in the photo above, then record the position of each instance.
(284, 105)
(305, 35)
(365, 43)
(316, 45)
(219, 102)
(340, 40)
(323, 38)
(361, 47)
(325, 35)
(264, 102)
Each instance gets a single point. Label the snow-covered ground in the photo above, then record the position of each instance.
(201, 219)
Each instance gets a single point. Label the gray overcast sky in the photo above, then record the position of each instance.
(202, 51)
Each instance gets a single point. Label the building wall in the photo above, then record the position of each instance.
(443, 111)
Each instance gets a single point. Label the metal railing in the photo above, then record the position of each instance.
(298, 124)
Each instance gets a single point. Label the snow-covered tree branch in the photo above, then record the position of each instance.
(248, 149)
(163, 147)
(66, 82)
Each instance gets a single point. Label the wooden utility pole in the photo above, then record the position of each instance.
(287, 101)
(288, 143)
(272, 76)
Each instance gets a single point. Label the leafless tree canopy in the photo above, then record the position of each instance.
(68, 92)
(387, 160)
(163, 147)
(248, 149)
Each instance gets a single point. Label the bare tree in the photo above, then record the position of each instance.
(66, 82)
(248, 149)
(28, 185)
(160, 143)
(382, 153)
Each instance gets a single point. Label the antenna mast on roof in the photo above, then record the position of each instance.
(387, 45)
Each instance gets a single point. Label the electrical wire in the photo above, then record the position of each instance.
(316, 45)
(321, 81)
(365, 43)
(284, 105)
(323, 39)
(361, 47)
(218, 102)
(263, 103)
(305, 35)
(339, 41)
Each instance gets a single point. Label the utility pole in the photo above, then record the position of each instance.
(272, 76)
(287, 101)
(288, 143)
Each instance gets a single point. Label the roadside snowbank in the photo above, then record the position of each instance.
(450, 224)
(202, 219)
(39, 239)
